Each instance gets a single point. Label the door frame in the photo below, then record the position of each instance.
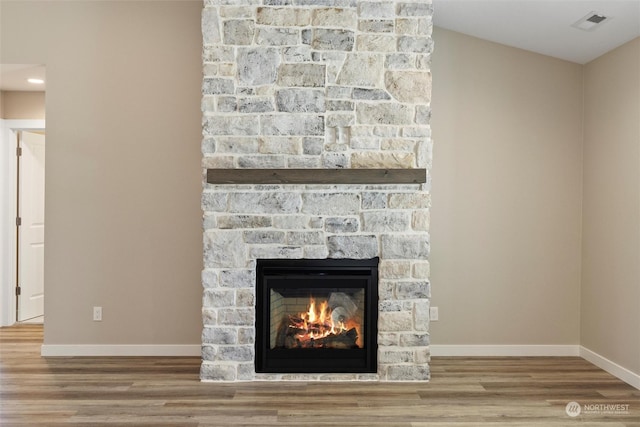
(9, 194)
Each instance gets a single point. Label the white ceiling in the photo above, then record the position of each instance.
(543, 26)
(14, 77)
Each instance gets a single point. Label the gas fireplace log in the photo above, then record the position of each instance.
(342, 340)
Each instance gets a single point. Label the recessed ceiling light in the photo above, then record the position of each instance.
(591, 21)
(35, 81)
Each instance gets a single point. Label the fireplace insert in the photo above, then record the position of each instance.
(316, 316)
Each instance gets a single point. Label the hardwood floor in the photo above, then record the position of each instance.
(164, 391)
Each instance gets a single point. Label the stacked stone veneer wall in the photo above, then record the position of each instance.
(316, 84)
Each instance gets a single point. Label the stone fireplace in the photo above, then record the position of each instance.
(315, 87)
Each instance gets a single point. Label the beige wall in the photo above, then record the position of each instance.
(505, 227)
(611, 232)
(22, 105)
(123, 176)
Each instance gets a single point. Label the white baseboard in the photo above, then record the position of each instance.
(505, 350)
(54, 350)
(613, 368)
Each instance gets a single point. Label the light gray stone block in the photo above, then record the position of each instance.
(420, 200)
(415, 9)
(244, 221)
(269, 202)
(420, 220)
(264, 236)
(382, 160)
(390, 305)
(395, 321)
(246, 336)
(236, 316)
(421, 315)
(362, 70)
(208, 352)
(421, 270)
(292, 124)
(376, 43)
(214, 202)
(209, 278)
(238, 31)
(332, 39)
(257, 66)
(235, 353)
(405, 246)
(412, 290)
(335, 160)
(376, 9)
(209, 317)
(210, 26)
(219, 336)
(217, 54)
(374, 200)
(297, 54)
(300, 100)
(386, 339)
(292, 222)
(408, 373)
(376, 25)
(246, 372)
(401, 61)
(414, 339)
(284, 16)
(395, 269)
(224, 249)
(261, 104)
(261, 161)
(385, 221)
(301, 75)
(270, 36)
(303, 238)
(395, 356)
(414, 44)
(245, 298)
(341, 224)
(217, 86)
(230, 125)
(215, 298)
(330, 203)
(237, 279)
(388, 113)
(217, 372)
(316, 252)
(409, 86)
(334, 17)
(349, 246)
(275, 251)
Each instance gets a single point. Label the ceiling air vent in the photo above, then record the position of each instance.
(590, 21)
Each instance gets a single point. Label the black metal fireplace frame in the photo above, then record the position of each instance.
(343, 273)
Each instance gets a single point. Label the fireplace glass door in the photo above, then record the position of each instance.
(316, 315)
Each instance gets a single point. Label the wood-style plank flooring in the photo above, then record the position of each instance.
(165, 391)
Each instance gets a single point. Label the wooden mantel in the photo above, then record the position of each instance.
(316, 176)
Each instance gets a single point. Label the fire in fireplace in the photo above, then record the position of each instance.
(316, 315)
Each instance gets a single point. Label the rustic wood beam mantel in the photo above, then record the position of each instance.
(316, 176)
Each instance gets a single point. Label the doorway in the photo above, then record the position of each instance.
(30, 226)
(9, 245)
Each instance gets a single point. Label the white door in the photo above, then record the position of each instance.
(31, 230)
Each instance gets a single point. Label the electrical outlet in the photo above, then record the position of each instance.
(97, 314)
(433, 314)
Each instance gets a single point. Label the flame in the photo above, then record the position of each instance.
(317, 323)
